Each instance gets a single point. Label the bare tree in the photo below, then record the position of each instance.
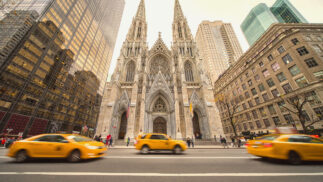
(295, 106)
(231, 110)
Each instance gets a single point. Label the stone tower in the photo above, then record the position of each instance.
(151, 90)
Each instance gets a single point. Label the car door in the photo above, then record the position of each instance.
(317, 148)
(42, 146)
(163, 142)
(60, 146)
(154, 142)
(301, 144)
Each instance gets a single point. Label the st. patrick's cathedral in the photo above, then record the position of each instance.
(160, 90)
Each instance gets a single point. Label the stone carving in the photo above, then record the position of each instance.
(160, 106)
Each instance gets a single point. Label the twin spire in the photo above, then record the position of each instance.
(141, 12)
(179, 18)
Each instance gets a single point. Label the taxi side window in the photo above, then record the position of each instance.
(45, 138)
(162, 137)
(301, 139)
(143, 136)
(58, 138)
(154, 137)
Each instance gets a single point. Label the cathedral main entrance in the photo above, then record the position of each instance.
(196, 126)
(123, 126)
(160, 125)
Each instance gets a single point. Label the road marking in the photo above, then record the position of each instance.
(172, 157)
(160, 174)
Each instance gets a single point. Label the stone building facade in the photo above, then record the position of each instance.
(151, 90)
(287, 61)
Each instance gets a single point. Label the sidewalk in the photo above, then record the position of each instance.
(195, 147)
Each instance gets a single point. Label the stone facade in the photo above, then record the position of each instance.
(151, 90)
(284, 63)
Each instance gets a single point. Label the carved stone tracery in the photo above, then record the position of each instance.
(160, 106)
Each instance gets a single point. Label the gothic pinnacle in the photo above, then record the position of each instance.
(141, 12)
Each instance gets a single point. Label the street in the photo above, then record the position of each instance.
(193, 165)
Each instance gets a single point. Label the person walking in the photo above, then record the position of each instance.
(3, 142)
(239, 142)
(224, 142)
(110, 142)
(128, 141)
(188, 141)
(233, 142)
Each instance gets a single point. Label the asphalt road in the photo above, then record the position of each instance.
(194, 165)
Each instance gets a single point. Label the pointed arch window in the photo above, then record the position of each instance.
(160, 106)
(179, 30)
(188, 72)
(130, 72)
(139, 31)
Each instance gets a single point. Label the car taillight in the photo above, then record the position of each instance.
(268, 144)
(247, 144)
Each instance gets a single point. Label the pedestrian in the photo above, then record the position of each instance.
(128, 141)
(239, 142)
(233, 142)
(215, 138)
(188, 141)
(110, 142)
(3, 141)
(224, 142)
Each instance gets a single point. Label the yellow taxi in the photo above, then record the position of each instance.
(292, 147)
(69, 146)
(158, 142)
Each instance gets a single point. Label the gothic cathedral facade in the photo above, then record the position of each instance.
(159, 90)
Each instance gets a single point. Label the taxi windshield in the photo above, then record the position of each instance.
(270, 137)
(80, 138)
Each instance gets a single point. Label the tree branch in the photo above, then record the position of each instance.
(289, 109)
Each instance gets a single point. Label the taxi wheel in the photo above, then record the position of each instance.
(21, 156)
(177, 150)
(145, 150)
(294, 158)
(75, 156)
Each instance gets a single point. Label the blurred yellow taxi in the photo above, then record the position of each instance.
(292, 147)
(69, 146)
(158, 142)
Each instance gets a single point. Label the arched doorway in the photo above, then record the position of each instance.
(196, 126)
(160, 125)
(123, 126)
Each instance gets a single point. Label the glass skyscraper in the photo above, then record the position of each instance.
(53, 79)
(261, 17)
(285, 12)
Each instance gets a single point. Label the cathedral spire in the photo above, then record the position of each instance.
(178, 13)
(181, 31)
(138, 28)
(141, 12)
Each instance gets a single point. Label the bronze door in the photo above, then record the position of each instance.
(123, 126)
(196, 126)
(160, 126)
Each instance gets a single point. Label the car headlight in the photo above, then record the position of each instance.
(92, 147)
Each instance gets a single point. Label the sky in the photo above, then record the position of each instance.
(159, 17)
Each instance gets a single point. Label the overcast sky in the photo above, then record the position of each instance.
(159, 16)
